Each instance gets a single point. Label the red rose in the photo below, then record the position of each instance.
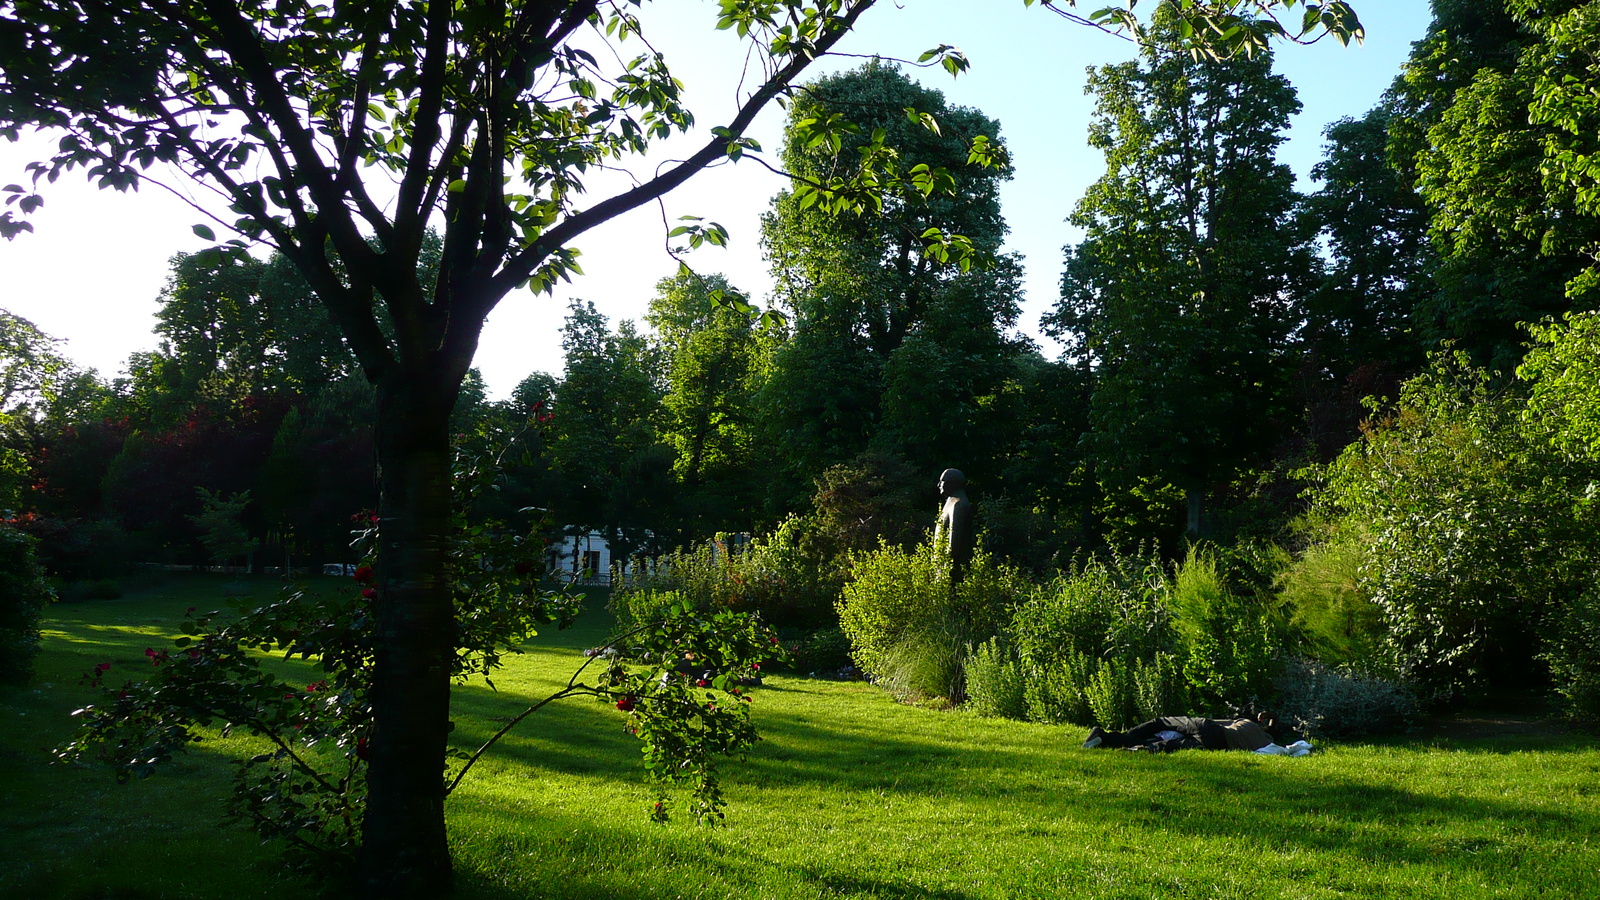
(363, 574)
(625, 704)
(361, 748)
(369, 593)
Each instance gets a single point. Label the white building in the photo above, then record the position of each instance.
(583, 558)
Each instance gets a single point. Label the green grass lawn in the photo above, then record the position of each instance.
(849, 795)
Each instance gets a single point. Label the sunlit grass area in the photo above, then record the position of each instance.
(849, 795)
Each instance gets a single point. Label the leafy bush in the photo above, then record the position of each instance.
(995, 686)
(1563, 414)
(1096, 644)
(789, 577)
(1466, 529)
(1333, 701)
(23, 596)
(911, 628)
(823, 651)
(1573, 654)
(1231, 640)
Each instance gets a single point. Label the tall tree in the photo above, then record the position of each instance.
(254, 323)
(716, 361)
(1375, 228)
(1179, 298)
(315, 107)
(1360, 336)
(32, 375)
(893, 344)
(1506, 243)
(616, 472)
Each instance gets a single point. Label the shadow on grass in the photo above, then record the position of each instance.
(993, 785)
(1002, 792)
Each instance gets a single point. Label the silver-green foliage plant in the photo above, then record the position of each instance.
(1097, 644)
(1324, 700)
(911, 628)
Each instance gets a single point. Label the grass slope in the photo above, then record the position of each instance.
(849, 795)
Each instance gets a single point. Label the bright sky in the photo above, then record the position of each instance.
(91, 271)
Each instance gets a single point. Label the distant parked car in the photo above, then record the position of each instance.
(338, 569)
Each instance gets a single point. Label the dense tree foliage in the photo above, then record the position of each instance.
(895, 346)
(1180, 299)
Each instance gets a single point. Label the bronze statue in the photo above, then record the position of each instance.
(955, 522)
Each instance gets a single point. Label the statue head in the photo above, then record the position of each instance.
(950, 481)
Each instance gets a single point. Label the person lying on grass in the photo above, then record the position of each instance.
(1263, 734)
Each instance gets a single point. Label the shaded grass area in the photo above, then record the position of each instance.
(849, 795)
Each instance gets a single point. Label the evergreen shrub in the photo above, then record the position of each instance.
(23, 597)
(1097, 645)
(1231, 639)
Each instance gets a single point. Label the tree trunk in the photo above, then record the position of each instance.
(1196, 503)
(404, 852)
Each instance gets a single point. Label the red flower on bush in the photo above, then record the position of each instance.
(626, 704)
(363, 574)
(361, 748)
(105, 666)
(369, 593)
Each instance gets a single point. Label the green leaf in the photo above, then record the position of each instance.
(205, 232)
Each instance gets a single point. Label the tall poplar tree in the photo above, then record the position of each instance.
(1180, 298)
